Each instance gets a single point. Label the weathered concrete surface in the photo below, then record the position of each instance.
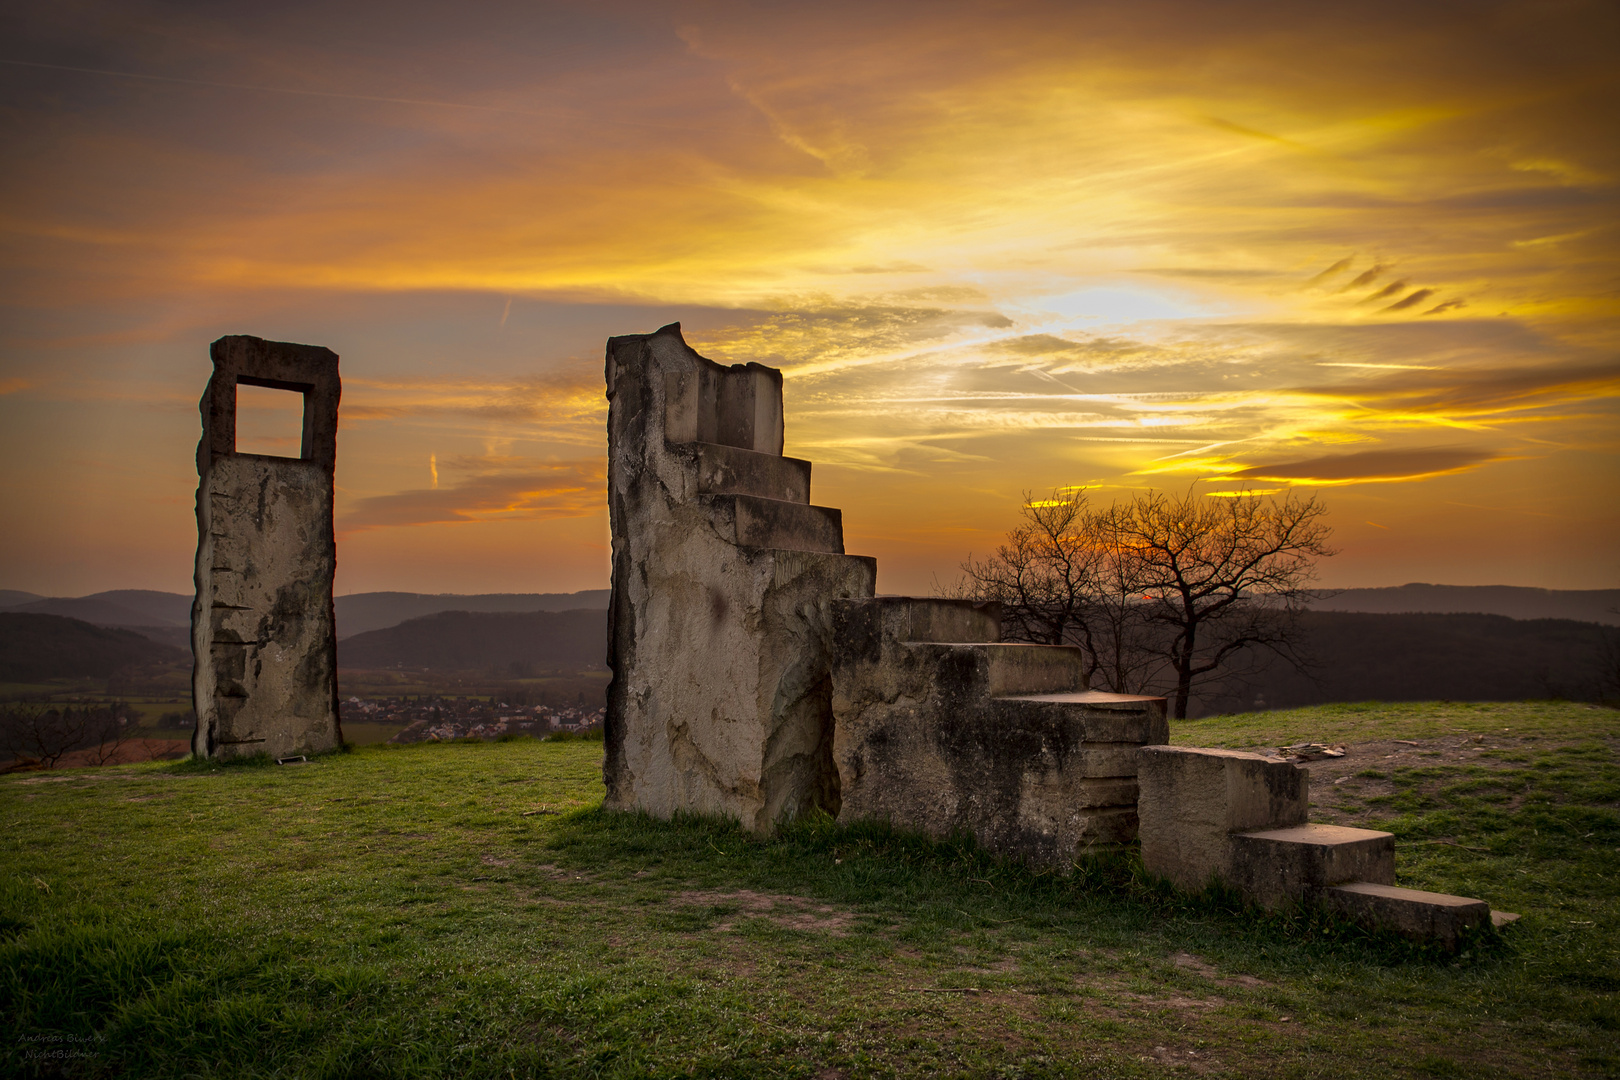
(1412, 913)
(1193, 800)
(1225, 815)
(264, 678)
(940, 728)
(1276, 868)
(723, 579)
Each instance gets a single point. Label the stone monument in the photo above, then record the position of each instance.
(264, 678)
(724, 574)
(942, 727)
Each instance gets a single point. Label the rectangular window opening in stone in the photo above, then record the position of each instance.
(269, 420)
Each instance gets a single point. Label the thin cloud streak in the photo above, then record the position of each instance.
(540, 492)
(989, 250)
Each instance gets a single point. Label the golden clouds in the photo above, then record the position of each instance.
(991, 249)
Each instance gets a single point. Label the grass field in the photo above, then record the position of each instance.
(469, 910)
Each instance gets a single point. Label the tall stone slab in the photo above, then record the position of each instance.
(724, 575)
(263, 639)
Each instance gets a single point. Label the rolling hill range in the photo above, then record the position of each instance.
(1429, 657)
(515, 644)
(358, 613)
(1584, 605)
(35, 647)
(166, 617)
(1360, 656)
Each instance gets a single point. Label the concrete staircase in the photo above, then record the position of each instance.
(940, 727)
(762, 500)
(1226, 815)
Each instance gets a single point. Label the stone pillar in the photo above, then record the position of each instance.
(723, 579)
(263, 639)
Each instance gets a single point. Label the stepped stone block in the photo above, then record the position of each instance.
(791, 526)
(1412, 913)
(731, 470)
(1034, 669)
(720, 620)
(972, 735)
(1278, 867)
(1193, 800)
(264, 678)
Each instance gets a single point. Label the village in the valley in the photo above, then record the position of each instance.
(442, 719)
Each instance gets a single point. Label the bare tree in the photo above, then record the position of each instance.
(39, 737)
(1045, 573)
(1160, 592)
(1059, 582)
(1224, 576)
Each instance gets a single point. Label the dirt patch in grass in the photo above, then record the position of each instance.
(1199, 966)
(792, 912)
(1347, 790)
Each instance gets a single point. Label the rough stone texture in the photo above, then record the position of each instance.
(1422, 916)
(723, 579)
(1209, 815)
(1193, 800)
(1276, 868)
(941, 728)
(265, 652)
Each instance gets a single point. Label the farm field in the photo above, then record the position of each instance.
(468, 909)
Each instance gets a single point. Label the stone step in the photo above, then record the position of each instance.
(1412, 913)
(787, 526)
(1131, 721)
(1277, 868)
(926, 618)
(1105, 828)
(1034, 669)
(731, 470)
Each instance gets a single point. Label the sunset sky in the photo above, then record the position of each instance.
(1367, 251)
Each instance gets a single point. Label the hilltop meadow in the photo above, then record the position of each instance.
(468, 909)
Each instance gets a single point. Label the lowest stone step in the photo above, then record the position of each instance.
(1412, 913)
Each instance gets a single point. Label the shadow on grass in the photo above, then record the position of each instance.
(953, 884)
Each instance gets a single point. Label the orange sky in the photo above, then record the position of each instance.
(1367, 251)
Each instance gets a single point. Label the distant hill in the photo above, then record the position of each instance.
(358, 613)
(159, 614)
(35, 647)
(1423, 657)
(94, 609)
(1585, 605)
(505, 643)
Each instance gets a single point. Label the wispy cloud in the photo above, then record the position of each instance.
(1372, 465)
(991, 249)
(511, 492)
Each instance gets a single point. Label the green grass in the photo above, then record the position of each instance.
(468, 910)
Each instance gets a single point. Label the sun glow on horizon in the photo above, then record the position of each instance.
(989, 253)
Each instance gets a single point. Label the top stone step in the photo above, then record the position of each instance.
(731, 470)
(1034, 669)
(924, 619)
